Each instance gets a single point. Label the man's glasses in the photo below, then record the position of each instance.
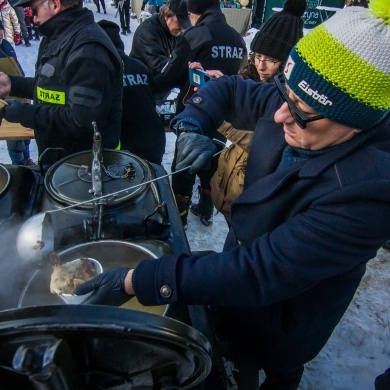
(34, 9)
(254, 57)
(300, 118)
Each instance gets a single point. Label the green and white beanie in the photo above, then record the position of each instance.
(341, 68)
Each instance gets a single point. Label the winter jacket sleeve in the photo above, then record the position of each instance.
(153, 55)
(175, 72)
(152, 46)
(324, 241)
(14, 21)
(230, 98)
(22, 86)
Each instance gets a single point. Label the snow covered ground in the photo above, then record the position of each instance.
(359, 348)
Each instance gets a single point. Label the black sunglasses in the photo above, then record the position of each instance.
(298, 116)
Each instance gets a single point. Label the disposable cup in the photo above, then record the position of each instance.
(73, 299)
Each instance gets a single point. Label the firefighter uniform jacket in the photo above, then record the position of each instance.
(153, 43)
(143, 130)
(78, 80)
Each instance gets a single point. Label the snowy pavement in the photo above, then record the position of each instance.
(359, 348)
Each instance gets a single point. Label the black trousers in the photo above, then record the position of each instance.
(124, 15)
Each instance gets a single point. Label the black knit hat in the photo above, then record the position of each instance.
(200, 6)
(281, 32)
(179, 8)
(112, 30)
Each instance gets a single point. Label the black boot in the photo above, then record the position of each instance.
(204, 209)
(27, 42)
(30, 35)
(183, 204)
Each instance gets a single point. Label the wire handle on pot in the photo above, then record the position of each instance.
(97, 184)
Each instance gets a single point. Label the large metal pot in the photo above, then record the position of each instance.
(69, 181)
(109, 253)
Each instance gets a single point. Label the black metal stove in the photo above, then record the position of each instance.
(119, 209)
(95, 347)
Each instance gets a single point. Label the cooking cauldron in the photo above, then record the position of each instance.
(98, 347)
(84, 346)
(110, 254)
(128, 205)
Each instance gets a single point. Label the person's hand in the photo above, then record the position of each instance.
(108, 287)
(214, 73)
(195, 65)
(12, 112)
(194, 150)
(5, 85)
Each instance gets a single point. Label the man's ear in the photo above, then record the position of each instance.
(57, 6)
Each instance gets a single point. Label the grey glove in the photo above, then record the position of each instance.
(109, 288)
(194, 150)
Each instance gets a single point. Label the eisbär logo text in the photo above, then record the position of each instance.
(320, 97)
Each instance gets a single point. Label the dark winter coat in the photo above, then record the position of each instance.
(78, 80)
(142, 128)
(300, 237)
(153, 43)
(212, 42)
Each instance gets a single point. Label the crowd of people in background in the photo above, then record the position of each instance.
(288, 184)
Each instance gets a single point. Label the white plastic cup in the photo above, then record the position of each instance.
(72, 299)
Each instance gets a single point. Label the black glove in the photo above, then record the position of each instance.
(195, 150)
(12, 112)
(109, 288)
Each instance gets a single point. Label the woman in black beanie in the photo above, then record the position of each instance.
(273, 42)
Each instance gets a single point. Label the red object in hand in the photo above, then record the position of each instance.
(17, 39)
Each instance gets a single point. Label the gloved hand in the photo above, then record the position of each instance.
(109, 288)
(17, 39)
(12, 112)
(195, 150)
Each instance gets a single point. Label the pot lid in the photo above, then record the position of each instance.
(120, 347)
(69, 181)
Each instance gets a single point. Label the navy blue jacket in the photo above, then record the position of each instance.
(300, 237)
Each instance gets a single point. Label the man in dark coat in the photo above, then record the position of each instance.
(78, 81)
(216, 45)
(210, 41)
(315, 206)
(155, 38)
(143, 131)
